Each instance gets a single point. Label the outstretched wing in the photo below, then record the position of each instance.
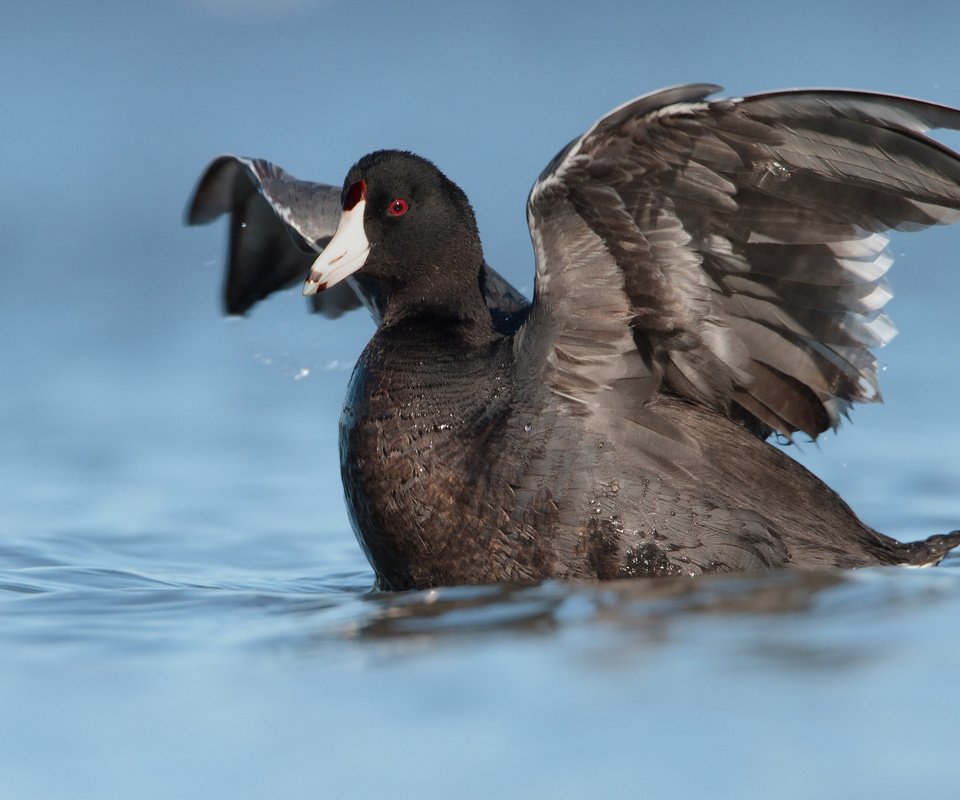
(278, 224)
(732, 252)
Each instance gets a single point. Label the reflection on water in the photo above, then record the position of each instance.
(788, 618)
(220, 657)
(632, 604)
(798, 619)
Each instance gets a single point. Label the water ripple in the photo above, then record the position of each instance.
(800, 619)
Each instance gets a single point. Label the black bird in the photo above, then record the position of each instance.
(708, 273)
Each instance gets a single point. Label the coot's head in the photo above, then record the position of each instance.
(407, 227)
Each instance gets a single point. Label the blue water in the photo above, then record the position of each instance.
(183, 609)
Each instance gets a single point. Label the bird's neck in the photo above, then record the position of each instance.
(442, 299)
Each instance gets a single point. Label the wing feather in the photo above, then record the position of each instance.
(278, 225)
(741, 242)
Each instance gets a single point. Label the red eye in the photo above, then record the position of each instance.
(398, 207)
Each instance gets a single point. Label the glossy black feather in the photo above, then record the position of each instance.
(278, 225)
(708, 272)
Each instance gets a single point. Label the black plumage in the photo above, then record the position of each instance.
(708, 273)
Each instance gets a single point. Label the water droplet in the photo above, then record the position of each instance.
(778, 170)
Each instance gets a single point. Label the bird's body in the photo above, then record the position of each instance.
(458, 473)
(707, 273)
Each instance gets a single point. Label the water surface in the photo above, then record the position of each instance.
(183, 609)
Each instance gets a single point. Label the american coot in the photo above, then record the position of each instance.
(708, 273)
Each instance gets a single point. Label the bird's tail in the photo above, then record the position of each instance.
(929, 552)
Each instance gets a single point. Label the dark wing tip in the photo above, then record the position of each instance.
(215, 192)
(264, 253)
